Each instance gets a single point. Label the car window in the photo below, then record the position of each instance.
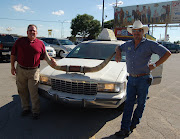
(66, 42)
(94, 51)
(49, 41)
(54, 41)
(45, 40)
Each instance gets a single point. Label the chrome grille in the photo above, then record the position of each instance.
(74, 87)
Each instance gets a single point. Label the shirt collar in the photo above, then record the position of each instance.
(143, 40)
(32, 41)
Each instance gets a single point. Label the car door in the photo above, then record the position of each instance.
(157, 72)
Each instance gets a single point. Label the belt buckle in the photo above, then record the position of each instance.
(133, 75)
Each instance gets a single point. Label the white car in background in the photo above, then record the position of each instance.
(89, 76)
(50, 50)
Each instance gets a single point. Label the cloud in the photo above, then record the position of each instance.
(32, 11)
(100, 7)
(114, 3)
(59, 13)
(20, 8)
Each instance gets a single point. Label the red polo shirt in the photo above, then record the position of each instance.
(28, 53)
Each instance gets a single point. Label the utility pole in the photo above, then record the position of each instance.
(165, 38)
(103, 16)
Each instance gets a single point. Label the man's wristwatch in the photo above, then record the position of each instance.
(154, 65)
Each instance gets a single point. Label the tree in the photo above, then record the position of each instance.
(176, 42)
(85, 26)
(109, 24)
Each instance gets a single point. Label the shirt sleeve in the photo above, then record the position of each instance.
(159, 49)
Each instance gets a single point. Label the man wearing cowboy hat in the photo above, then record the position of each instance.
(138, 53)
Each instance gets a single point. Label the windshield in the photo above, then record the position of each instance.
(94, 51)
(66, 42)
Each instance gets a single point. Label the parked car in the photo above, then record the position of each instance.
(6, 43)
(50, 50)
(61, 46)
(88, 77)
(174, 48)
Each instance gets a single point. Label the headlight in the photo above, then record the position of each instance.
(45, 80)
(103, 87)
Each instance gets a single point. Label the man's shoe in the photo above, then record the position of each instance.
(25, 112)
(35, 116)
(132, 127)
(123, 133)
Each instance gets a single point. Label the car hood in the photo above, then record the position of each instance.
(109, 73)
(49, 48)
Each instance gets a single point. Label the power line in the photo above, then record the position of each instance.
(27, 20)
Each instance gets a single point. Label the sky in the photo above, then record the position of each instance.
(56, 15)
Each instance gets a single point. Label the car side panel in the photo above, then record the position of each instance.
(157, 72)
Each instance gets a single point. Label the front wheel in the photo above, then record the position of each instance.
(61, 52)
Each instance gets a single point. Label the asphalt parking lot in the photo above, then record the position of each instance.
(161, 119)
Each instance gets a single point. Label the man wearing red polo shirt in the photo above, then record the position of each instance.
(28, 51)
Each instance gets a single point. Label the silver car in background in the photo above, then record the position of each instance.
(61, 46)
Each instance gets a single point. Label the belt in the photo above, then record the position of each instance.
(28, 68)
(139, 75)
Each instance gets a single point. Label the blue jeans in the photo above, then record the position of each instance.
(137, 87)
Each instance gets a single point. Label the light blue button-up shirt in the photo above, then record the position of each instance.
(138, 59)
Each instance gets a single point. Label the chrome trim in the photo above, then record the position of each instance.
(95, 103)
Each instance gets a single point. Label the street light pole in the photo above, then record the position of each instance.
(62, 27)
(103, 16)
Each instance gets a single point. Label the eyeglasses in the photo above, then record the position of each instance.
(32, 30)
(137, 30)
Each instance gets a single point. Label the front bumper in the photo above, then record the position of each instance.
(81, 100)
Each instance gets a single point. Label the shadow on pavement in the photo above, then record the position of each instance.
(56, 121)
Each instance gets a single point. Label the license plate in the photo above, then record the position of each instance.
(6, 53)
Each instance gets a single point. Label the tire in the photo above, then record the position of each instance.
(60, 53)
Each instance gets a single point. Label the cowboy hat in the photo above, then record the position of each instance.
(138, 25)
